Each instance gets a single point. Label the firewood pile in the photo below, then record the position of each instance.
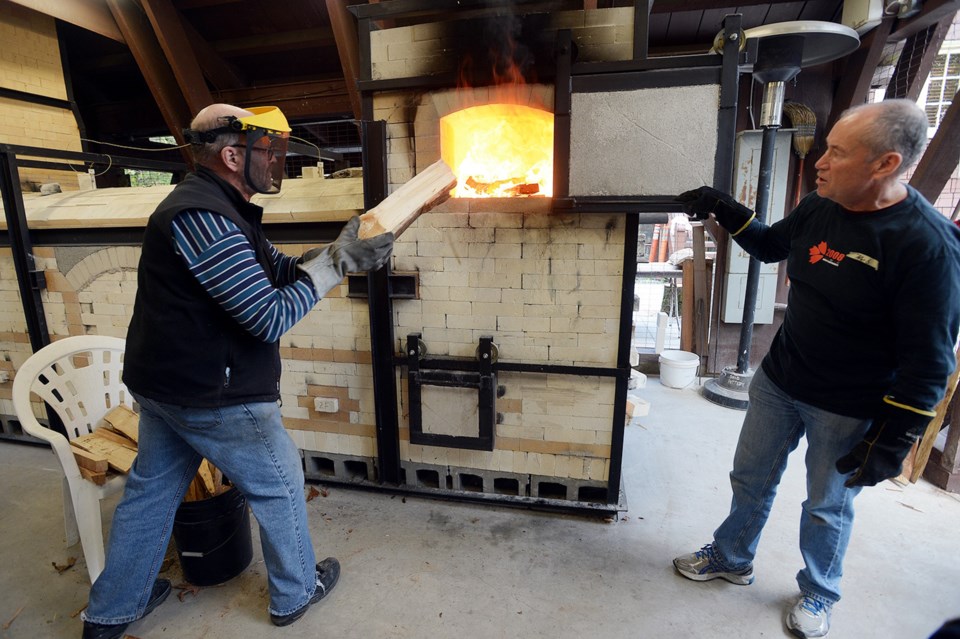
(111, 449)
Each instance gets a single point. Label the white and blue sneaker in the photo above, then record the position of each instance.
(809, 618)
(703, 565)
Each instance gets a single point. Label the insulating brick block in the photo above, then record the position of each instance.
(337, 467)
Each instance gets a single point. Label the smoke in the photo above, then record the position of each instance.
(502, 53)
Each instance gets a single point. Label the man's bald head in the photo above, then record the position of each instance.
(209, 118)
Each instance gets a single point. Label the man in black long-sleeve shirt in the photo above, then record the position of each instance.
(862, 356)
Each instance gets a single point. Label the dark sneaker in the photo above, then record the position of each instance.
(328, 573)
(809, 617)
(161, 590)
(703, 565)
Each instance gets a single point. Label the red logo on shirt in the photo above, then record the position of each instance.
(823, 252)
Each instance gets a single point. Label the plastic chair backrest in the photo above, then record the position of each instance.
(80, 378)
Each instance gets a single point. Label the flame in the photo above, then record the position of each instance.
(499, 150)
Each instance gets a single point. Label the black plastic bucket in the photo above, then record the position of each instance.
(213, 538)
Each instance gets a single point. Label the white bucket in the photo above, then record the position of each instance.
(678, 368)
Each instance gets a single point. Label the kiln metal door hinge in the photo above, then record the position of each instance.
(453, 373)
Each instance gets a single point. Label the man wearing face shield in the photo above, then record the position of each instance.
(203, 362)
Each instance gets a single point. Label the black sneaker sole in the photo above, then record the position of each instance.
(319, 593)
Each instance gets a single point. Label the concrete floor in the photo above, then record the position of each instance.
(417, 567)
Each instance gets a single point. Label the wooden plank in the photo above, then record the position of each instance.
(119, 458)
(394, 214)
(107, 433)
(686, 305)
(205, 473)
(98, 478)
(94, 462)
(701, 306)
(933, 428)
(126, 421)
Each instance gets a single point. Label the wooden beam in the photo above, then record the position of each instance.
(173, 40)
(276, 42)
(672, 6)
(149, 56)
(912, 70)
(348, 46)
(858, 71)
(933, 11)
(299, 100)
(218, 71)
(941, 156)
(91, 15)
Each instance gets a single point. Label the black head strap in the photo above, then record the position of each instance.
(233, 125)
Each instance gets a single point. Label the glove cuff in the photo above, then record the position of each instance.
(908, 419)
(322, 273)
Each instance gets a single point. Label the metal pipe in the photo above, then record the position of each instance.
(770, 111)
(770, 122)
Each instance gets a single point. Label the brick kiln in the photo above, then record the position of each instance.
(501, 369)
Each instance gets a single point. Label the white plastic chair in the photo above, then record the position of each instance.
(79, 377)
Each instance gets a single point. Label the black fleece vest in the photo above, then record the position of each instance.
(182, 347)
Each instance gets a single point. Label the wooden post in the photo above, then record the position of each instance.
(933, 429)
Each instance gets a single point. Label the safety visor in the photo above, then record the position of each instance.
(267, 134)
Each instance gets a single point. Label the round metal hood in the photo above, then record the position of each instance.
(822, 41)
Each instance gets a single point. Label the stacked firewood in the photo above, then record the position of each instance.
(110, 450)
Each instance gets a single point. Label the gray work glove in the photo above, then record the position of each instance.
(700, 203)
(326, 267)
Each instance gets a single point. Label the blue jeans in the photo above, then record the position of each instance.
(771, 430)
(249, 444)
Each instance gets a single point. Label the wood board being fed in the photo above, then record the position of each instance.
(398, 210)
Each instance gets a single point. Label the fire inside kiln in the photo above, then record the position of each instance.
(499, 150)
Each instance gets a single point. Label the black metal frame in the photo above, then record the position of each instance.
(18, 234)
(483, 379)
(641, 72)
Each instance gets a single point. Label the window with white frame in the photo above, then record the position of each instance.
(942, 85)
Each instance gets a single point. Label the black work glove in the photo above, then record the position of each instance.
(700, 203)
(881, 453)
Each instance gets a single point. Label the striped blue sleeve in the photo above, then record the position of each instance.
(285, 266)
(222, 260)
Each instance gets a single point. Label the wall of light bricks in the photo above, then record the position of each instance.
(423, 49)
(327, 354)
(547, 287)
(30, 62)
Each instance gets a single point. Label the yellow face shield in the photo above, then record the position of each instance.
(267, 134)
